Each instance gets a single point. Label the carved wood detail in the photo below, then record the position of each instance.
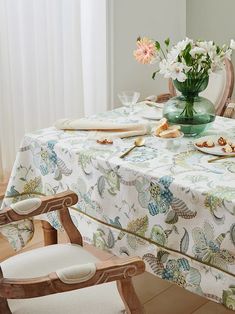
(49, 203)
(107, 271)
(119, 269)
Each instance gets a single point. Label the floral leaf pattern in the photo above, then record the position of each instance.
(232, 233)
(158, 235)
(207, 248)
(138, 226)
(181, 209)
(169, 206)
(184, 242)
(229, 298)
(101, 185)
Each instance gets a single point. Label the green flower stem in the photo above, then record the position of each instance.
(189, 111)
(194, 84)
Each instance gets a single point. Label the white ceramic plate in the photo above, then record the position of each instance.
(217, 149)
(152, 114)
(154, 104)
(151, 104)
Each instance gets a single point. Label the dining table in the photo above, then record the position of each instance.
(163, 201)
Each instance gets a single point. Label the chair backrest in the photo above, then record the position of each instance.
(219, 89)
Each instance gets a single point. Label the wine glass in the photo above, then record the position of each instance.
(128, 99)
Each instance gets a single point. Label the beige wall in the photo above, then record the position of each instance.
(211, 20)
(157, 19)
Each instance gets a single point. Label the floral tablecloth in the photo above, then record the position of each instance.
(163, 202)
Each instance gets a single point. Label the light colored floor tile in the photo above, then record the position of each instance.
(147, 286)
(174, 300)
(213, 308)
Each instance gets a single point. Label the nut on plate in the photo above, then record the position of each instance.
(105, 141)
(222, 141)
(209, 144)
(227, 148)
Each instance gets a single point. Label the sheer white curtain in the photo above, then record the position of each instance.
(53, 64)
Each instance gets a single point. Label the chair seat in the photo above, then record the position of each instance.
(103, 299)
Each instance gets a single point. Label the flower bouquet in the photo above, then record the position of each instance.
(189, 64)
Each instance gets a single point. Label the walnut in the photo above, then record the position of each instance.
(104, 141)
(200, 144)
(209, 144)
(227, 148)
(222, 141)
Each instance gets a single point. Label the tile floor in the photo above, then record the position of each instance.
(157, 296)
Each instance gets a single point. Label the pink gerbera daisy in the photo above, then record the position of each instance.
(146, 51)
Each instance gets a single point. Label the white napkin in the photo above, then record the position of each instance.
(104, 129)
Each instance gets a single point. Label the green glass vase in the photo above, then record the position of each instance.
(192, 112)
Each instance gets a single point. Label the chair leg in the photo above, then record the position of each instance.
(49, 233)
(129, 297)
(4, 307)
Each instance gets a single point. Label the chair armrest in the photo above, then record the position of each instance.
(159, 98)
(229, 111)
(111, 270)
(36, 206)
(163, 97)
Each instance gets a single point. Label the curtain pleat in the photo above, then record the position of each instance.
(94, 53)
(52, 65)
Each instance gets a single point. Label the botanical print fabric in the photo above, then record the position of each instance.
(163, 202)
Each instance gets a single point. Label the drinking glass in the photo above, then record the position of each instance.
(128, 99)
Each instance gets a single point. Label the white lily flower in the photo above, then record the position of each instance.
(228, 54)
(165, 68)
(217, 64)
(197, 51)
(181, 45)
(212, 53)
(203, 56)
(208, 46)
(172, 56)
(177, 73)
(232, 44)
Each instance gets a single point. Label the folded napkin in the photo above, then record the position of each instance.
(104, 129)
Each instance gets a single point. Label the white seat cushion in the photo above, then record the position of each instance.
(103, 299)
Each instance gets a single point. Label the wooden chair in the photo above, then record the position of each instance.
(45, 280)
(219, 89)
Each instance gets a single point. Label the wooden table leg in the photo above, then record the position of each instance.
(49, 233)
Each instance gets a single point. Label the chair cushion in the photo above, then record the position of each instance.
(103, 298)
(216, 87)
